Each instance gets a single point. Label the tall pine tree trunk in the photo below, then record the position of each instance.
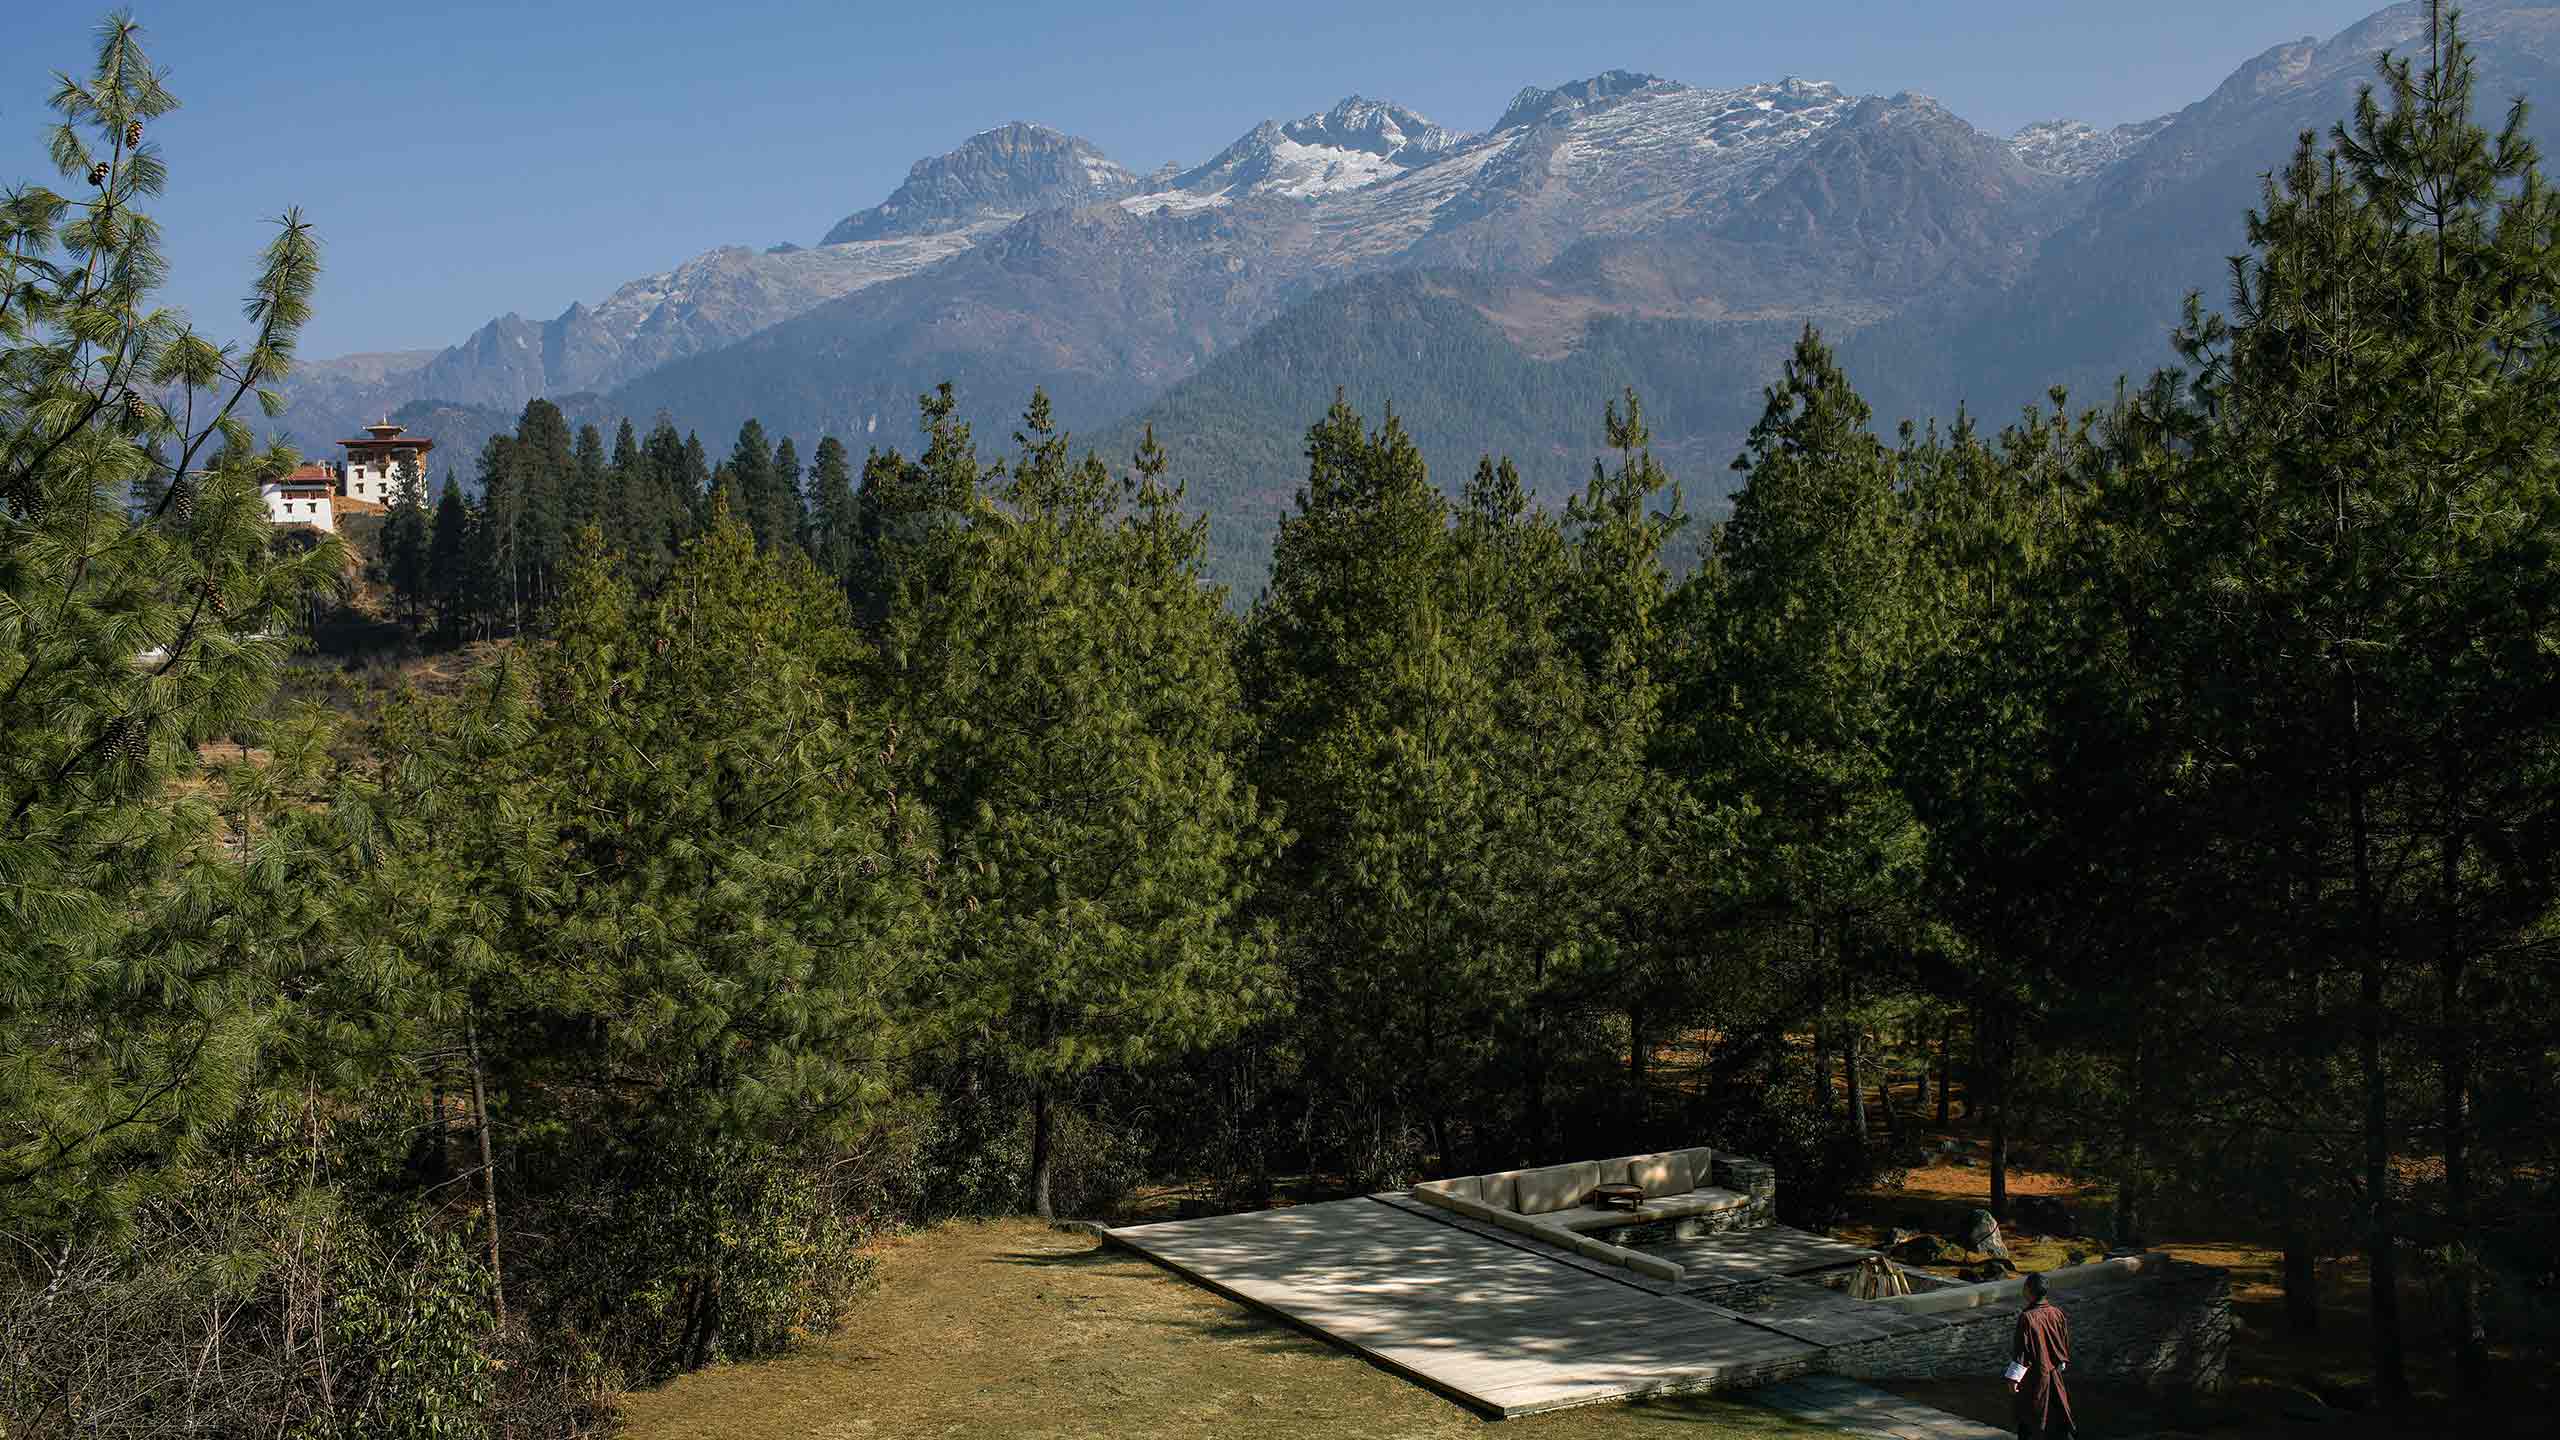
(2382, 1259)
(488, 1173)
(1821, 1046)
(1997, 1065)
(1857, 1092)
(1042, 1148)
(2462, 1280)
(1639, 1081)
(1946, 1063)
(2129, 1196)
(2301, 1277)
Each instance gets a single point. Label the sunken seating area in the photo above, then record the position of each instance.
(1558, 1203)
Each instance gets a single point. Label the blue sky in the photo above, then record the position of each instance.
(469, 158)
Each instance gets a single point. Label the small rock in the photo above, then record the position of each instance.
(1982, 1235)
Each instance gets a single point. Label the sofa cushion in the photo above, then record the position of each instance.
(1665, 1174)
(1499, 1189)
(1702, 1164)
(1557, 1187)
(1465, 1187)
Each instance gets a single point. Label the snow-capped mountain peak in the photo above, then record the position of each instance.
(1359, 142)
(2074, 149)
(1376, 127)
(1533, 104)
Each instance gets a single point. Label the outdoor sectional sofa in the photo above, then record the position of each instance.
(1553, 1203)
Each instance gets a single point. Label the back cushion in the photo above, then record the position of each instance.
(1702, 1166)
(1497, 1189)
(1557, 1187)
(1464, 1187)
(1664, 1174)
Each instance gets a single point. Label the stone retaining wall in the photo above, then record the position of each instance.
(1757, 1180)
(2169, 1326)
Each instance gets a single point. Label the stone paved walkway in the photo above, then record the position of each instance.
(1866, 1412)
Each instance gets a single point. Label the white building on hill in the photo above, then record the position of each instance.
(372, 468)
(308, 496)
(321, 495)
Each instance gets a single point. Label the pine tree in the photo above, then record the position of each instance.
(1799, 627)
(546, 482)
(449, 558)
(587, 498)
(1612, 617)
(788, 521)
(497, 539)
(2364, 542)
(406, 542)
(625, 503)
(834, 535)
(749, 484)
(1371, 666)
(690, 484)
(1075, 706)
(133, 948)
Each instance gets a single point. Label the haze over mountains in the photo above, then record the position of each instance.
(1497, 287)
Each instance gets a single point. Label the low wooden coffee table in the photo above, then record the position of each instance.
(1618, 1197)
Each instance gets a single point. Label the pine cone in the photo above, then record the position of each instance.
(98, 173)
(132, 133)
(127, 740)
(182, 500)
(213, 599)
(137, 411)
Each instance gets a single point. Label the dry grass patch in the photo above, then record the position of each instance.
(1013, 1328)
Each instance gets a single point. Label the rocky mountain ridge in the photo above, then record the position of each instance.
(1378, 183)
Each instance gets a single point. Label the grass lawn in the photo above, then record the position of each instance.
(1011, 1328)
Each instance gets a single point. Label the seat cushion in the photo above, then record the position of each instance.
(1706, 1200)
(1499, 1189)
(1665, 1174)
(1583, 1219)
(1557, 1187)
(1464, 1187)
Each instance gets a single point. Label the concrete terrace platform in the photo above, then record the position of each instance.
(1508, 1326)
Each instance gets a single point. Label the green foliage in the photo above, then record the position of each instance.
(407, 540)
(659, 848)
(690, 1255)
(134, 989)
(1071, 698)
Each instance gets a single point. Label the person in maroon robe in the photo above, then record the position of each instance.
(2043, 1346)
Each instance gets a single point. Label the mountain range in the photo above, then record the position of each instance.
(1495, 288)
